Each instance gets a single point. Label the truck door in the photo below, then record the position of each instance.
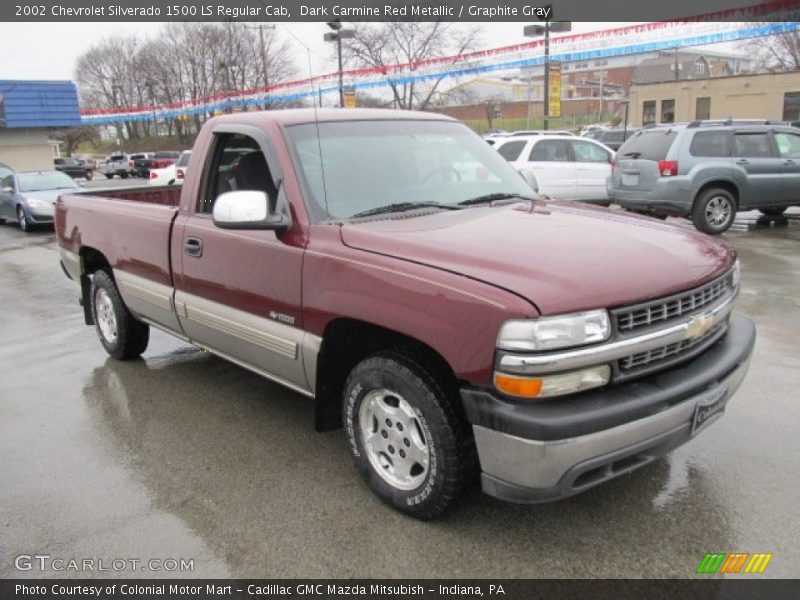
(238, 291)
(753, 152)
(789, 149)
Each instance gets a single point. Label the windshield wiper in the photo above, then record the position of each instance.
(400, 207)
(487, 198)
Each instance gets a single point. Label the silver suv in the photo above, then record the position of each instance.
(708, 170)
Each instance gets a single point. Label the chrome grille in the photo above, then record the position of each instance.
(670, 350)
(659, 311)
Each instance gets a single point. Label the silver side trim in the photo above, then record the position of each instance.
(148, 300)
(310, 347)
(256, 370)
(604, 353)
(72, 263)
(267, 341)
(129, 288)
(542, 464)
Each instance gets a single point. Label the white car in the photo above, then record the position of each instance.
(173, 174)
(565, 168)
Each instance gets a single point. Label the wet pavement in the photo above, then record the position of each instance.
(181, 455)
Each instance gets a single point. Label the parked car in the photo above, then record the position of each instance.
(613, 138)
(159, 160)
(529, 132)
(116, 164)
(565, 168)
(29, 197)
(593, 128)
(450, 325)
(5, 171)
(74, 167)
(709, 170)
(174, 174)
(133, 167)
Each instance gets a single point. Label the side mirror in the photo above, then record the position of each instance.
(247, 209)
(8, 190)
(530, 178)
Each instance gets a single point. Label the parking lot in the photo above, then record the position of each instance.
(183, 455)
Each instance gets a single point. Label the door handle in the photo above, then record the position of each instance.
(742, 161)
(193, 247)
(788, 162)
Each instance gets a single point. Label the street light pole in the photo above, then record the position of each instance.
(337, 35)
(535, 31)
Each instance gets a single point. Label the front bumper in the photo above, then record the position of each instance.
(542, 451)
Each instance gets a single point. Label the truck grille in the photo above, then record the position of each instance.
(633, 318)
(654, 357)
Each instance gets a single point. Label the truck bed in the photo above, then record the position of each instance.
(130, 227)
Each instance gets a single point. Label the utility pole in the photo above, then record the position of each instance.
(115, 88)
(150, 84)
(264, 63)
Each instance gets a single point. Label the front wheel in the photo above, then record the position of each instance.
(22, 219)
(714, 211)
(121, 334)
(109, 175)
(408, 439)
(88, 176)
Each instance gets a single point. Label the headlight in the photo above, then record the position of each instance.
(39, 203)
(551, 333)
(736, 274)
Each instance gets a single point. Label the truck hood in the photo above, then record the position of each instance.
(561, 256)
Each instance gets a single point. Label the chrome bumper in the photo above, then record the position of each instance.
(537, 452)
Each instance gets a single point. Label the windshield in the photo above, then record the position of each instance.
(184, 159)
(37, 182)
(357, 166)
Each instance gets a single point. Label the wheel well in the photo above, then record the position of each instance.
(347, 342)
(92, 260)
(725, 185)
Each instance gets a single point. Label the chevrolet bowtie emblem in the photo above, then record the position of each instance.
(699, 325)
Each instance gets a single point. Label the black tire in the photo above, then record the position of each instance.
(713, 211)
(109, 175)
(773, 212)
(88, 176)
(130, 336)
(123, 175)
(22, 219)
(437, 426)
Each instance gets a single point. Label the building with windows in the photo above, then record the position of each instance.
(753, 96)
(29, 112)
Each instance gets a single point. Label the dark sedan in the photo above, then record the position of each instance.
(74, 167)
(30, 198)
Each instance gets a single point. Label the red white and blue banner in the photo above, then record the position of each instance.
(702, 30)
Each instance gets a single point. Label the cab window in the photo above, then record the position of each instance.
(237, 163)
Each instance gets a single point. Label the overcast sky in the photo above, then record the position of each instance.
(50, 50)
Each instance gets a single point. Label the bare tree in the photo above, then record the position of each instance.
(185, 62)
(380, 45)
(74, 136)
(775, 53)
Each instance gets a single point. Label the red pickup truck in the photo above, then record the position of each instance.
(396, 269)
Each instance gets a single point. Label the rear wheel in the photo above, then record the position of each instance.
(121, 334)
(773, 212)
(123, 175)
(22, 219)
(408, 440)
(88, 176)
(714, 211)
(109, 175)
